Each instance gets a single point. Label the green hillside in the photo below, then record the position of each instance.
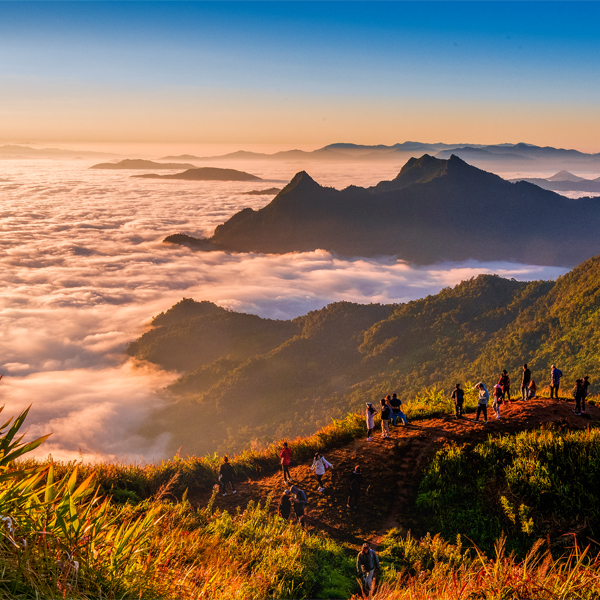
(248, 379)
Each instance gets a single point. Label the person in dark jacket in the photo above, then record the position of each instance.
(285, 505)
(458, 396)
(555, 375)
(226, 474)
(585, 384)
(300, 502)
(578, 395)
(504, 381)
(397, 413)
(355, 485)
(386, 415)
(367, 562)
(526, 379)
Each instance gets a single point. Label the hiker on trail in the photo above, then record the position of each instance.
(504, 381)
(370, 415)
(226, 474)
(484, 396)
(497, 400)
(386, 415)
(367, 562)
(397, 413)
(458, 396)
(319, 466)
(585, 384)
(578, 395)
(525, 382)
(300, 502)
(285, 454)
(555, 375)
(355, 485)
(285, 505)
(532, 392)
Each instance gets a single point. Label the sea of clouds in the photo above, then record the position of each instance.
(83, 269)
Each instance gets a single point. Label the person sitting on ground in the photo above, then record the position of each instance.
(585, 384)
(285, 454)
(458, 396)
(285, 505)
(497, 400)
(300, 502)
(386, 413)
(319, 466)
(226, 474)
(355, 485)
(370, 416)
(482, 402)
(526, 378)
(397, 413)
(555, 375)
(504, 381)
(532, 390)
(367, 562)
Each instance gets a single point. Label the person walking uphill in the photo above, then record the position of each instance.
(525, 381)
(370, 416)
(367, 562)
(285, 505)
(300, 502)
(355, 485)
(319, 466)
(226, 474)
(484, 396)
(555, 375)
(458, 396)
(285, 454)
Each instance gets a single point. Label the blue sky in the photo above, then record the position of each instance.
(279, 72)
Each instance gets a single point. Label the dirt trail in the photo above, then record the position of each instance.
(392, 470)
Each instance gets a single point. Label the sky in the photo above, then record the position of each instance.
(300, 74)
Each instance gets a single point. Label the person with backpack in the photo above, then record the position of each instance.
(285, 505)
(482, 402)
(498, 393)
(370, 417)
(319, 466)
(504, 381)
(525, 380)
(300, 502)
(585, 384)
(356, 479)
(396, 404)
(226, 474)
(285, 455)
(555, 375)
(578, 395)
(386, 413)
(367, 562)
(458, 396)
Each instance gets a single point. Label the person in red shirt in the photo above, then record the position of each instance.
(285, 454)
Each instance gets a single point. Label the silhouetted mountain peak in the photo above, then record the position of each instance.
(301, 182)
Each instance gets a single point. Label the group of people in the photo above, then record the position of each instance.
(391, 410)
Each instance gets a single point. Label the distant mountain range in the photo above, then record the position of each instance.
(565, 182)
(206, 174)
(434, 210)
(21, 151)
(139, 163)
(246, 378)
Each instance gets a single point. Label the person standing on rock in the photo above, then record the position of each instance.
(386, 413)
(555, 375)
(458, 396)
(355, 485)
(367, 562)
(285, 454)
(300, 502)
(285, 505)
(370, 416)
(319, 466)
(226, 474)
(504, 381)
(482, 403)
(525, 380)
(397, 413)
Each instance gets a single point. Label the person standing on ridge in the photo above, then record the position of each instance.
(555, 375)
(226, 474)
(370, 416)
(319, 466)
(497, 400)
(532, 391)
(525, 380)
(504, 381)
(386, 413)
(300, 502)
(482, 403)
(458, 396)
(585, 384)
(367, 562)
(578, 395)
(397, 413)
(355, 485)
(285, 454)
